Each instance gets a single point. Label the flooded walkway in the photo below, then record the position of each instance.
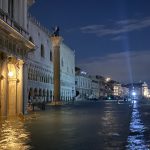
(79, 126)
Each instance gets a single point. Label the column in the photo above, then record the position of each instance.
(25, 14)
(16, 13)
(56, 41)
(25, 87)
(20, 88)
(21, 17)
(1, 4)
(3, 88)
(12, 96)
(5, 5)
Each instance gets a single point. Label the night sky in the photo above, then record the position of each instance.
(110, 37)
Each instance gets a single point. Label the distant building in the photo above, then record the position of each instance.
(94, 87)
(109, 86)
(125, 91)
(139, 90)
(102, 86)
(145, 90)
(118, 91)
(83, 84)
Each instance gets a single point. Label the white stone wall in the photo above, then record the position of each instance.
(40, 69)
(83, 86)
(19, 11)
(67, 65)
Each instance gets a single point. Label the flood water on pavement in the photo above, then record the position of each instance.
(78, 126)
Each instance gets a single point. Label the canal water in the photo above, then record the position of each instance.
(78, 126)
(136, 139)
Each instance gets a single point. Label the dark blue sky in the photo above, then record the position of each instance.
(102, 32)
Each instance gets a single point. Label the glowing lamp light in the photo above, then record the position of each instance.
(10, 74)
(109, 98)
(133, 93)
(108, 79)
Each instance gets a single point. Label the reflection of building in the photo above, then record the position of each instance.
(14, 47)
(83, 84)
(25, 75)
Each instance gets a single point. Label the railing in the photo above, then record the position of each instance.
(11, 22)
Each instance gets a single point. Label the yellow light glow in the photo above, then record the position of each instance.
(10, 74)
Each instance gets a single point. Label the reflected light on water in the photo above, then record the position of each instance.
(13, 136)
(136, 139)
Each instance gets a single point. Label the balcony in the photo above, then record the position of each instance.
(11, 22)
(10, 27)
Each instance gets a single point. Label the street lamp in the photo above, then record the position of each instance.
(10, 74)
(133, 93)
(11, 68)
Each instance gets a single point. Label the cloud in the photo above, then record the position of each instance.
(117, 38)
(117, 28)
(123, 67)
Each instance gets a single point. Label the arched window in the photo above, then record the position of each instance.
(42, 50)
(51, 56)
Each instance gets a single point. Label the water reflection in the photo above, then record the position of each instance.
(13, 135)
(136, 139)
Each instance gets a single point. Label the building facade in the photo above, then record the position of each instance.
(83, 85)
(40, 66)
(26, 60)
(118, 91)
(95, 86)
(14, 48)
(138, 90)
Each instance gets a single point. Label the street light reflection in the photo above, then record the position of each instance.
(136, 137)
(13, 136)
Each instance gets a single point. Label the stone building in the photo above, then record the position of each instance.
(138, 90)
(26, 60)
(14, 47)
(83, 84)
(117, 89)
(95, 87)
(40, 66)
(102, 84)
